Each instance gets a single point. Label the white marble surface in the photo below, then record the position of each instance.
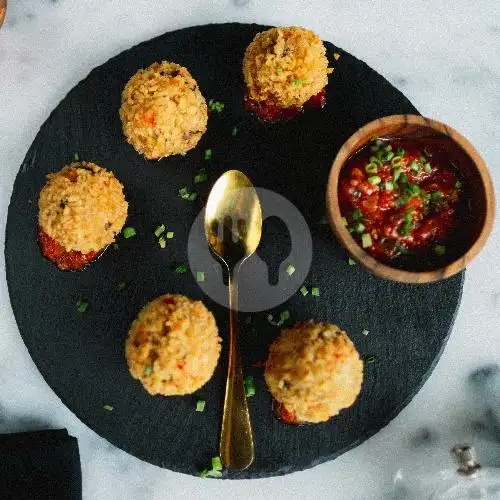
(445, 56)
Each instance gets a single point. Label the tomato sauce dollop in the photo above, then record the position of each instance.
(270, 112)
(400, 196)
(286, 415)
(64, 260)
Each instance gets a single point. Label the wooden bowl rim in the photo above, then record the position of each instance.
(376, 267)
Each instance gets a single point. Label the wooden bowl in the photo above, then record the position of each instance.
(469, 163)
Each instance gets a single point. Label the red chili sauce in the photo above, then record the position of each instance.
(64, 260)
(269, 112)
(400, 196)
(284, 414)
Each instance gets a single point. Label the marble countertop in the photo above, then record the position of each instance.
(443, 55)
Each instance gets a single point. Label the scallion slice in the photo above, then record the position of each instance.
(284, 315)
(148, 370)
(427, 168)
(357, 214)
(371, 168)
(169, 235)
(200, 405)
(121, 286)
(200, 276)
(234, 131)
(107, 408)
(414, 166)
(436, 195)
(159, 230)
(365, 332)
(374, 179)
(344, 221)
(458, 185)
(207, 155)
(400, 152)
(304, 291)
(366, 240)
(290, 269)
(351, 261)
(439, 249)
(216, 463)
(82, 305)
(76, 157)
(359, 227)
(128, 232)
(396, 173)
(192, 196)
(184, 193)
(162, 242)
(396, 160)
(249, 386)
(315, 291)
(413, 189)
(180, 269)
(389, 186)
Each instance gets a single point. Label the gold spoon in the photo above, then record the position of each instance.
(233, 226)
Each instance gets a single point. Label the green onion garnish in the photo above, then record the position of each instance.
(82, 306)
(201, 176)
(389, 186)
(76, 157)
(351, 261)
(297, 83)
(159, 230)
(366, 240)
(200, 405)
(207, 154)
(181, 269)
(422, 160)
(357, 214)
(162, 242)
(374, 179)
(403, 200)
(374, 159)
(249, 387)
(284, 315)
(389, 156)
(371, 168)
(439, 249)
(396, 160)
(437, 195)
(216, 463)
(426, 196)
(128, 232)
(290, 269)
(215, 105)
(414, 166)
(397, 173)
(400, 152)
(108, 408)
(200, 276)
(344, 221)
(116, 246)
(458, 185)
(388, 148)
(192, 196)
(427, 168)
(148, 370)
(170, 235)
(365, 332)
(374, 148)
(370, 359)
(121, 286)
(184, 193)
(304, 291)
(403, 178)
(359, 227)
(234, 131)
(413, 189)
(315, 291)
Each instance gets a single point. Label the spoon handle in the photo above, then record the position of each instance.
(236, 442)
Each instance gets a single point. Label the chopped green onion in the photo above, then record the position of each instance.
(304, 291)
(181, 269)
(148, 370)
(403, 178)
(284, 315)
(216, 463)
(397, 173)
(374, 148)
(439, 249)
(365, 332)
(215, 105)
(359, 227)
(422, 160)
(388, 147)
(374, 179)
(370, 359)
(82, 306)
(371, 168)
(378, 141)
(389, 186)
(200, 177)
(192, 196)
(458, 185)
(351, 261)
(279, 70)
(290, 269)
(128, 232)
(208, 154)
(414, 166)
(357, 214)
(297, 83)
(184, 193)
(159, 230)
(437, 195)
(315, 291)
(108, 408)
(396, 160)
(426, 196)
(200, 405)
(407, 225)
(162, 242)
(200, 276)
(400, 152)
(170, 235)
(116, 246)
(403, 200)
(76, 157)
(413, 189)
(427, 168)
(249, 386)
(234, 131)
(344, 221)
(389, 156)
(366, 240)
(121, 286)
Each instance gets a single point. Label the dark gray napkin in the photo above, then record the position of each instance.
(40, 465)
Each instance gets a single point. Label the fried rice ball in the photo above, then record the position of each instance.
(314, 371)
(82, 207)
(173, 346)
(163, 112)
(285, 67)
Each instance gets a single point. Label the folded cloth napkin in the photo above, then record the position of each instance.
(40, 465)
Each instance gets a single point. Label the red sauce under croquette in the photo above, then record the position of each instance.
(269, 112)
(64, 260)
(398, 196)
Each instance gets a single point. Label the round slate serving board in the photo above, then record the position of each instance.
(82, 355)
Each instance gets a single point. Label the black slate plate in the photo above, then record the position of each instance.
(81, 355)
